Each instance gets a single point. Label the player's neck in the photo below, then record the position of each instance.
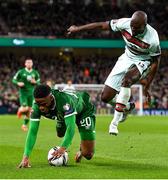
(29, 70)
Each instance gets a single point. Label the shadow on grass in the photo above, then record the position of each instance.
(120, 164)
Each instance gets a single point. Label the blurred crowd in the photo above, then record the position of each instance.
(51, 18)
(80, 69)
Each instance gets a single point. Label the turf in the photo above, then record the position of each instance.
(139, 151)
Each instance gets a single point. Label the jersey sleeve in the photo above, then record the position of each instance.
(119, 24)
(31, 137)
(33, 129)
(16, 77)
(155, 49)
(35, 113)
(70, 131)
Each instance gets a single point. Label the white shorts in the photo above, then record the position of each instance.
(114, 79)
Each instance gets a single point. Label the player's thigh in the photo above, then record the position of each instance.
(23, 100)
(108, 93)
(114, 81)
(132, 76)
(137, 70)
(30, 100)
(86, 127)
(115, 77)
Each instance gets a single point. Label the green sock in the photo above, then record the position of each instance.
(25, 121)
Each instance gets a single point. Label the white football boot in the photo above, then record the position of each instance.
(113, 130)
(126, 112)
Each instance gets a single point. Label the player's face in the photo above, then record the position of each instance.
(45, 104)
(137, 28)
(29, 64)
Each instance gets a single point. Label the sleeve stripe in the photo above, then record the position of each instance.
(34, 119)
(70, 114)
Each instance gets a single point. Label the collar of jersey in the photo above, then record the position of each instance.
(28, 70)
(54, 103)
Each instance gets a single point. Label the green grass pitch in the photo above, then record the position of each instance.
(139, 151)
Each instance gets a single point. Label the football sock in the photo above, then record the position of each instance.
(122, 101)
(112, 102)
(25, 121)
(127, 107)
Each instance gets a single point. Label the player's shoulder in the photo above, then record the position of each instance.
(120, 24)
(21, 70)
(121, 21)
(59, 95)
(151, 29)
(152, 34)
(125, 20)
(34, 70)
(63, 99)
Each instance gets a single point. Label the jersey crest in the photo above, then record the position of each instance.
(66, 107)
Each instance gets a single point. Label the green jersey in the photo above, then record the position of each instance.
(68, 109)
(66, 104)
(25, 76)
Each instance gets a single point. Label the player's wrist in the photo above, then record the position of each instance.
(63, 148)
(25, 157)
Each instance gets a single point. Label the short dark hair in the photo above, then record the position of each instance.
(41, 91)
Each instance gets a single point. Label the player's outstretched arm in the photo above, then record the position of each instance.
(69, 134)
(30, 142)
(90, 26)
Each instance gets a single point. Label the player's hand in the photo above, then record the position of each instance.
(59, 152)
(147, 95)
(20, 84)
(24, 163)
(73, 29)
(33, 81)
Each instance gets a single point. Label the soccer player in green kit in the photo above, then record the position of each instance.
(26, 78)
(68, 109)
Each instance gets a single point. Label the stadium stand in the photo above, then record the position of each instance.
(80, 69)
(19, 18)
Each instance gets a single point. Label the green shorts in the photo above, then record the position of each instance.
(26, 100)
(86, 128)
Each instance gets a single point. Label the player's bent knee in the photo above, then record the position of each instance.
(89, 155)
(60, 135)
